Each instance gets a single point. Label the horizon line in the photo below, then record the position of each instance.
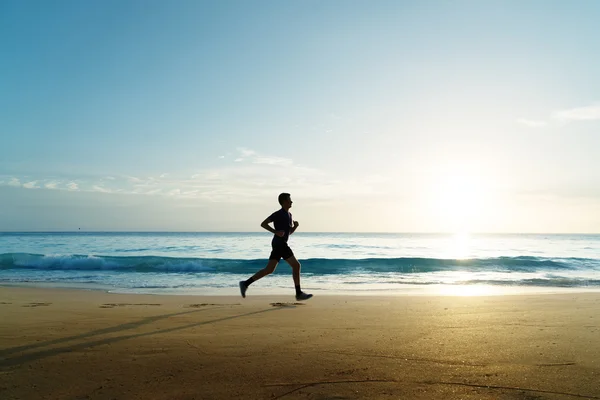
(309, 232)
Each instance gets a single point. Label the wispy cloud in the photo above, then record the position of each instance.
(254, 178)
(100, 189)
(589, 113)
(272, 160)
(245, 153)
(134, 179)
(153, 191)
(31, 185)
(256, 158)
(532, 123)
(14, 182)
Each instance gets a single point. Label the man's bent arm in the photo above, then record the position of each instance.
(265, 225)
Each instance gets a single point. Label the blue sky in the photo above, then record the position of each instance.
(401, 116)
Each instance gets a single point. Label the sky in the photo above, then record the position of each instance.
(379, 116)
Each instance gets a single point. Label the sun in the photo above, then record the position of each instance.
(459, 201)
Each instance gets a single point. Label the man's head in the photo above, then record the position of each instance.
(285, 200)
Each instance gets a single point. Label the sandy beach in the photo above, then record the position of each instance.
(74, 344)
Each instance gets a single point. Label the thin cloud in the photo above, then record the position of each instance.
(256, 158)
(134, 179)
(153, 191)
(254, 180)
(14, 182)
(244, 152)
(31, 185)
(100, 189)
(532, 123)
(589, 113)
(272, 161)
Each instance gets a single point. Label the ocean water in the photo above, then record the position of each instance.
(332, 263)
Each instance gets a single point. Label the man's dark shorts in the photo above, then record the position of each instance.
(281, 250)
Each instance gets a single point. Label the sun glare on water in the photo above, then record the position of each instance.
(459, 246)
(459, 203)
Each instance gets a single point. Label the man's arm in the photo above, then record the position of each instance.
(265, 225)
(293, 229)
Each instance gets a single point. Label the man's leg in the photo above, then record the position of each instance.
(295, 264)
(269, 269)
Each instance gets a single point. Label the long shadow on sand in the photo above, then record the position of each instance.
(117, 328)
(51, 352)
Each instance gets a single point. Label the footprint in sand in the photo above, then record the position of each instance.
(208, 304)
(37, 305)
(287, 304)
(113, 305)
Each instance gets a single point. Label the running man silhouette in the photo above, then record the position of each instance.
(284, 226)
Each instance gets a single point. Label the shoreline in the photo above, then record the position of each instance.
(404, 291)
